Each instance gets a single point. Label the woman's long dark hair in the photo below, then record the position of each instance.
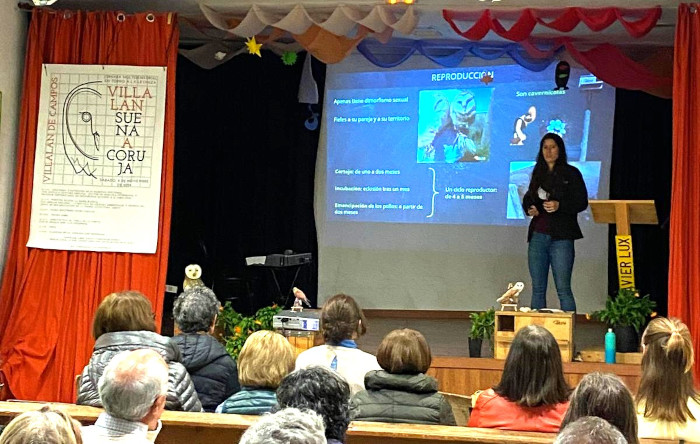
(539, 173)
(533, 374)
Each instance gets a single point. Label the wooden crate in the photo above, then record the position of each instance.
(597, 354)
(561, 325)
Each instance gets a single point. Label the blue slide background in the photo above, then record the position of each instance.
(378, 122)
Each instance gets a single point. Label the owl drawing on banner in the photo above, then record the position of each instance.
(193, 273)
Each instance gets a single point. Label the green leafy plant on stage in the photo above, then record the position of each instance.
(483, 324)
(233, 328)
(627, 308)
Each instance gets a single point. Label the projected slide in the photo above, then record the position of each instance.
(455, 146)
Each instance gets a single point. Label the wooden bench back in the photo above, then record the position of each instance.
(178, 427)
(206, 428)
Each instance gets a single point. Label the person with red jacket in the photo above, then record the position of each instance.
(533, 395)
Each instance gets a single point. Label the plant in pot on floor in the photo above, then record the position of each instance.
(483, 323)
(627, 313)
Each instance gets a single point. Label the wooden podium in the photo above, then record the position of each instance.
(623, 213)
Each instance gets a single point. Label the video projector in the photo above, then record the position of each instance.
(297, 320)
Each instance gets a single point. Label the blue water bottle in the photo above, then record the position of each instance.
(610, 346)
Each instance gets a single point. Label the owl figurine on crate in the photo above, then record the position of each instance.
(193, 273)
(509, 299)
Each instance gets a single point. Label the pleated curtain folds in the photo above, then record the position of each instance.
(48, 297)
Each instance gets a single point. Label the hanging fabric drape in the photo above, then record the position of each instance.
(605, 61)
(342, 21)
(449, 53)
(684, 237)
(562, 20)
(48, 297)
(611, 65)
(330, 38)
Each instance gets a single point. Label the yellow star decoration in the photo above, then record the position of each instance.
(253, 46)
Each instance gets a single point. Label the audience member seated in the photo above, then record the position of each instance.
(342, 322)
(607, 397)
(668, 406)
(401, 392)
(211, 368)
(265, 359)
(125, 321)
(288, 426)
(132, 389)
(590, 430)
(42, 426)
(532, 395)
(324, 392)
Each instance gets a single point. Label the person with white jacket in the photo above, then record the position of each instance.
(342, 322)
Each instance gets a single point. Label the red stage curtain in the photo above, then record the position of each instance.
(562, 20)
(684, 238)
(48, 297)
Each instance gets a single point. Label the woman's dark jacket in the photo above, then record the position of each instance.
(211, 368)
(181, 393)
(568, 188)
(401, 398)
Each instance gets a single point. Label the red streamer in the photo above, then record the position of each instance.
(565, 20)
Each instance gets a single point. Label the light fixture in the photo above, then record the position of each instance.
(395, 2)
(43, 2)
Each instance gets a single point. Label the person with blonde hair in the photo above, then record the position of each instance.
(44, 426)
(342, 322)
(265, 359)
(401, 391)
(668, 405)
(124, 321)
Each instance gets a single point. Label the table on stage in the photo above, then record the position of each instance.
(467, 375)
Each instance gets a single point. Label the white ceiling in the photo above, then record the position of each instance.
(431, 24)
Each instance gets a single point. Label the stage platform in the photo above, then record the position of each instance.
(448, 332)
(466, 375)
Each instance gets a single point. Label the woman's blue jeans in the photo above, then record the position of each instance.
(543, 252)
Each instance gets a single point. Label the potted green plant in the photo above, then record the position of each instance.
(233, 328)
(482, 325)
(626, 313)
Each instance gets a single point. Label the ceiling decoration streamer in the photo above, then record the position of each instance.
(563, 20)
(450, 53)
(342, 21)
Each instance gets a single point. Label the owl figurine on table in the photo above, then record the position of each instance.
(193, 273)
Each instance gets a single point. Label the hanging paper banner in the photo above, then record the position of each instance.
(99, 150)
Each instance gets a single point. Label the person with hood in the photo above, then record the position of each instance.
(124, 321)
(211, 368)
